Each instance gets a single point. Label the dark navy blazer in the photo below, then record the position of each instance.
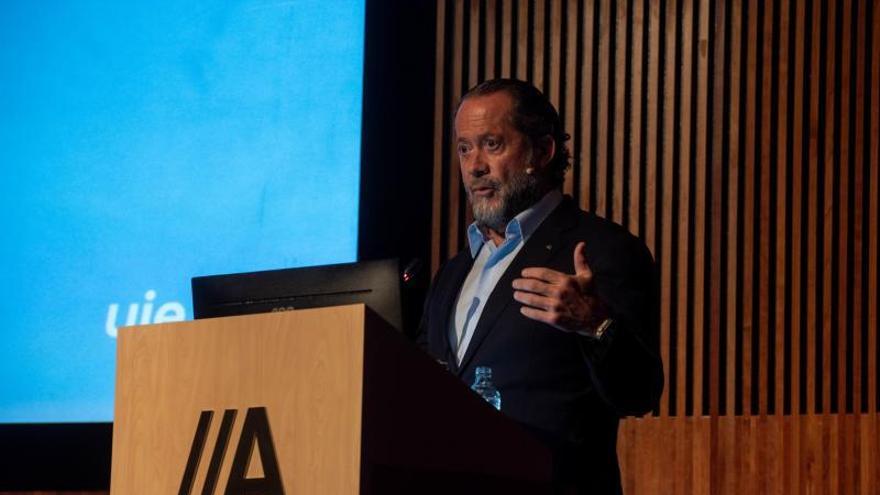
(568, 389)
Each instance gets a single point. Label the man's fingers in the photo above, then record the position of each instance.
(537, 314)
(545, 274)
(534, 300)
(534, 285)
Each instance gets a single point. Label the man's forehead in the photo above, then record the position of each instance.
(482, 111)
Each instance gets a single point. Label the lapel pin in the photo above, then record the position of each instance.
(549, 247)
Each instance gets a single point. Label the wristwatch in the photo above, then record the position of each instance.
(602, 328)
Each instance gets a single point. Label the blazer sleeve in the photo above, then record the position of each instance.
(421, 336)
(624, 364)
(423, 331)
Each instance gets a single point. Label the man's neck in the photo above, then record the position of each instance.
(496, 237)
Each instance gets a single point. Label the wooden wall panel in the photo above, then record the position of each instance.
(739, 139)
(761, 454)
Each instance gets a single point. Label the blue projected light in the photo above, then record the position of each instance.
(143, 143)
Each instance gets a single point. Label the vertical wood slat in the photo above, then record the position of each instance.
(586, 94)
(781, 211)
(555, 50)
(793, 136)
(539, 51)
(454, 176)
(747, 220)
(843, 219)
(506, 35)
(796, 214)
(812, 313)
(472, 33)
(666, 163)
(636, 121)
(874, 221)
(716, 169)
(651, 118)
(522, 38)
(602, 108)
(858, 214)
(776, 172)
(829, 171)
(437, 177)
(763, 200)
(618, 81)
(845, 452)
(571, 22)
(489, 40)
(654, 165)
(702, 129)
(672, 378)
(474, 44)
(732, 248)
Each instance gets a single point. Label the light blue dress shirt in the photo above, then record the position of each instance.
(490, 263)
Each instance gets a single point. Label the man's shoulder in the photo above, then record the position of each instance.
(612, 236)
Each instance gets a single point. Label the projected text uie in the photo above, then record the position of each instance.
(143, 314)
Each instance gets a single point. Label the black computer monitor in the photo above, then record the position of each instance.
(374, 283)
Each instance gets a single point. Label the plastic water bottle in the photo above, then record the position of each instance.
(483, 385)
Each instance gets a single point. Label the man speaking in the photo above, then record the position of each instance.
(559, 303)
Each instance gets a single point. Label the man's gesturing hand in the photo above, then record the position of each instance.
(564, 301)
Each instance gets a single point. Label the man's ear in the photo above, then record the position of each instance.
(546, 151)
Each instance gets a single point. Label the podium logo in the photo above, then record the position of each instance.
(254, 433)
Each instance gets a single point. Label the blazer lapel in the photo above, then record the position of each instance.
(459, 268)
(539, 248)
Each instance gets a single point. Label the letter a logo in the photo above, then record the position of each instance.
(255, 437)
(255, 431)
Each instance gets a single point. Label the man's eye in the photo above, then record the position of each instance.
(493, 144)
(463, 149)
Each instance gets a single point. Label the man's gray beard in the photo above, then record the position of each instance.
(513, 198)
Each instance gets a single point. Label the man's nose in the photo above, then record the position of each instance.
(476, 165)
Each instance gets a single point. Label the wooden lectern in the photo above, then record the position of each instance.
(318, 401)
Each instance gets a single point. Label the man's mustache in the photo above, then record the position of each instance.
(481, 183)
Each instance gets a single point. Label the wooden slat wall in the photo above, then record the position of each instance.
(775, 454)
(739, 139)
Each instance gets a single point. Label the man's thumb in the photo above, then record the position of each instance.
(581, 268)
